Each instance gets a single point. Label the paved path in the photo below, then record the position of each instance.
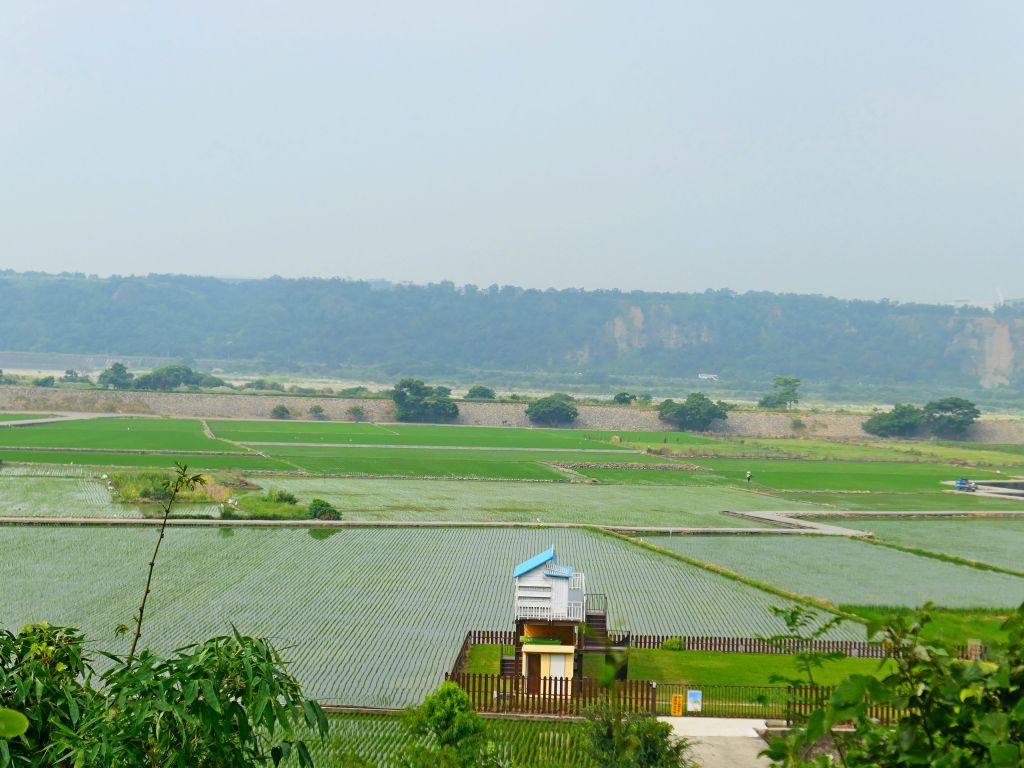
(722, 742)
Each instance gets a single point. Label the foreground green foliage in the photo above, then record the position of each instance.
(953, 713)
(448, 733)
(619, 739)
(223, 703)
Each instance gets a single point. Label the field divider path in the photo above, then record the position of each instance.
(619, 529)
(131, 451)
(389, 446)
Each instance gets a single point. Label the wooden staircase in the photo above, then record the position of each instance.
(511, 665)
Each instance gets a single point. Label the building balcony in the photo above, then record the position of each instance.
(573, 611)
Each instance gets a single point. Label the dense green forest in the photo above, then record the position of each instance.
(442, 330)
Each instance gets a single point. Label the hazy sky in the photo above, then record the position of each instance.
(857, 149)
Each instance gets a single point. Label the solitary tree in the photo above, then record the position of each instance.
(695, 413)
(116, 376)
(415, 401)
(623, 398)
(951, 416)
(317, 412)
(783, 395)
(280, 411)
(553, 410)
(480, 393)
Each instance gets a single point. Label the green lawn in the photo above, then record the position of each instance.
(842, 475)
(412, 499)
(952, 627)
(126, 433)
(484, 660)
(711, 668)
(704, 667)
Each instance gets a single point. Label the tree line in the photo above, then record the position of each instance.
(441, 330)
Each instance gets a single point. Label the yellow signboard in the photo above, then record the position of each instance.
(677, 705)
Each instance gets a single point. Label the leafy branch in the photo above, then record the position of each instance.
(182, 481)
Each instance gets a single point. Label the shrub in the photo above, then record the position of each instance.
(552, 410)
(673, 644)
(44, 381)
(417, 402)
(617, 739)
(448, 732)
(280, 412)
(902, 421)
(480, 393)
(356, 413)
(250, 707)
(281, 496)
(317, 412)
(323, 510)
(623, 398)
(950, 416)
(696, 412)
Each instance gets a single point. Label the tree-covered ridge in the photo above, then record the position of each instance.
(438, 329)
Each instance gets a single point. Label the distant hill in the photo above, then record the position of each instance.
(443, 330)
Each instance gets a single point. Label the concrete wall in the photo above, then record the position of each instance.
(752, 424)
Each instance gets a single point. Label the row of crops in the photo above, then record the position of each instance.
(852, 572)
(367, 615)
(382, 740)
(33, 496)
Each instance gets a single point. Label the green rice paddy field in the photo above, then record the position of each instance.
(381, 739)
(58, 497)
(851, 572)
(691, 506)
(128, 433)
(988, 540)
(369, 616)
(6, 417)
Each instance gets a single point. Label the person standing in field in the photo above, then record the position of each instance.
(749, 475)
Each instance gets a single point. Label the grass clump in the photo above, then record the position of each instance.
(147, 487)
(275, 504)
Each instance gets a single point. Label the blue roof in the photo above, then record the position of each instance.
(548, 555)
(561, 572)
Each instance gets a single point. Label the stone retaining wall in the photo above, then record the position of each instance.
(233, 406)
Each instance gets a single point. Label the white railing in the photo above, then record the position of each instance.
(577, 582)
(558, 570)
(573, 612)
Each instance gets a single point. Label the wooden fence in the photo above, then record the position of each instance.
(570, 697)
(851, 648)
(552, 695)
(805, 699)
